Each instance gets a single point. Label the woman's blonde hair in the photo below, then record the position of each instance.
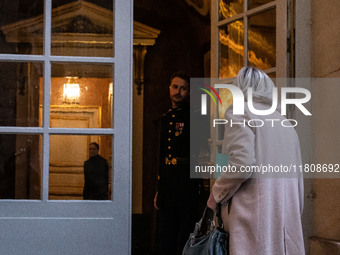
(262, 86)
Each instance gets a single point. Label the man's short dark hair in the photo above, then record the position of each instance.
(95, 144)
(181, 74)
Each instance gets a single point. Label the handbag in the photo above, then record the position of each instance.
(207, 239)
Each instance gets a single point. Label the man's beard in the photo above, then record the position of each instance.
(177, 97)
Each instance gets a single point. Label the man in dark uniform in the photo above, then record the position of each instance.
(96, 175)
(177, 195)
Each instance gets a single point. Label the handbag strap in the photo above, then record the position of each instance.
(207, 221)
(219, 215)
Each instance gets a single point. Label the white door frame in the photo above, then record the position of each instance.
(78, 227)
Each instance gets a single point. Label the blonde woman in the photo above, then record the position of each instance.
(261, 212)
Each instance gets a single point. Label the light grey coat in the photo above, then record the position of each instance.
(264, 216)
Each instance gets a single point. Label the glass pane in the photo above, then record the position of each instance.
(231, 49)
(272, 75)
(227, 100)
(81, 28)
(255, 3)
(81, 96)
(262, 40)
(22, 26)
(229, 8)
(20, 167)
(78, 170)
(19, 93)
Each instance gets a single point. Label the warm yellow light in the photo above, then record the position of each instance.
(71, 92)
(110, 90)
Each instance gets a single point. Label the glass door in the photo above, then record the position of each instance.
(65, 126)
(246, 33)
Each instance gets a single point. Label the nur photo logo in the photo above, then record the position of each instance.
(295, 96)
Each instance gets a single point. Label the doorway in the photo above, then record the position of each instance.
(182, 44)
(46, 48)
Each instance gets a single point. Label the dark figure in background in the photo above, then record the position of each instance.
(177, 195)
(96, 175)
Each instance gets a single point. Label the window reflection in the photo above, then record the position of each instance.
(227, 100)
(20, 166)
(231, 55)
(79, 28)
(229, 8)
(76, 172)
(88, 32)
(19, 93)
(272, 76)
(262, 40)
(261, 44)
(19, 34)
(81, 95)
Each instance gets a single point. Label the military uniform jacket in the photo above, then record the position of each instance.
(175, 187)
